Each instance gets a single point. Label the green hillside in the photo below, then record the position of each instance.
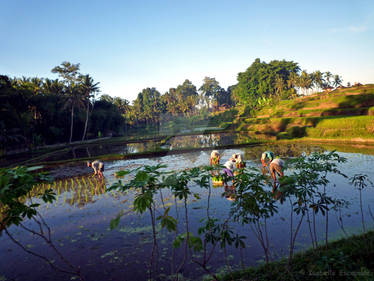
(346, 114)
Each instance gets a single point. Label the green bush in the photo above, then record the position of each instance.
(296, 131)
(283, 136)
(371, 111)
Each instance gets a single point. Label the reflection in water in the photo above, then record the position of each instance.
(81, 216)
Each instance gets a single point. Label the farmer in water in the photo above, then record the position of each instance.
(229, 167)
(214, 161)
(276, 167)
(239, 163)
(229, 171)
(266, 158)
(214, 158)
(98, 167)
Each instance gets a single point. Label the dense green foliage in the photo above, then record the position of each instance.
(262, 81)
(37, 111)
(346, 259)
(15, 185)
(305, 189)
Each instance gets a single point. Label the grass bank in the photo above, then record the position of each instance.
(344, 115)
(346, 259)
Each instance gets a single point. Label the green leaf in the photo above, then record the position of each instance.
(30, 169)
(115, 222)
(121, 174)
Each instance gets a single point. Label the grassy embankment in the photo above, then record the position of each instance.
(346, 259)
(345, 115)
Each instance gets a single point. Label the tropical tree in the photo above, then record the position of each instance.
(148, 105)
(328, 76)
(170, 100)
(318, 80)
(223, 97)
(337, 81)
(279, 85)
(52, 87)
(209, 90)
(122, 104)
(73, 99)
(89, 88)
(187, 97)
(257, 83)
(67, 71)
(305, 81)
(70, 73)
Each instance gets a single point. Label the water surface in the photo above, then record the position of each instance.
(81, 216)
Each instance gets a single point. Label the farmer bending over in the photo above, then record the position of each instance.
(266, 158)
(240, 164)
(276, 166)
(229, 168)
(214, 158)
(98, 167)
(214, 161)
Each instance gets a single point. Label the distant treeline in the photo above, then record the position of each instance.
(39, 111)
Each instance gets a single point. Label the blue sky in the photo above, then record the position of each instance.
(131, 45)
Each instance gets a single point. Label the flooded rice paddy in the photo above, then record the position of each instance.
(129, 147)
(80, 221)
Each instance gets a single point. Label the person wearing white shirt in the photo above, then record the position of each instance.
(276, 167)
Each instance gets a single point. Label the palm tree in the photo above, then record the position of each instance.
(328, 76)
(53, 87)
(279, 85)
(337, 80)
(89, 88)
(305, 81)
(70, 73)
(123, 105)
(293, 80)
(74, 98)
(318, 80)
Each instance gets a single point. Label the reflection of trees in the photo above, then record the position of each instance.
(196, 141)
(282, 150)
(142, 146)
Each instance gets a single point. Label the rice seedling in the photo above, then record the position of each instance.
(84, 181)
(91, 185)
(85, 194)
(58, 193)
(65, 193)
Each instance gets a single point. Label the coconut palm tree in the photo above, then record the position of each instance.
(305, 81)
(319, 81)
(89, 88)
(53, 87)
(337, 80)
(74, 98)
(279, 85)
(328, 76)
(293, 79)
(122, 104)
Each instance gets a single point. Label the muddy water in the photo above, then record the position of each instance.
(80, 220)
